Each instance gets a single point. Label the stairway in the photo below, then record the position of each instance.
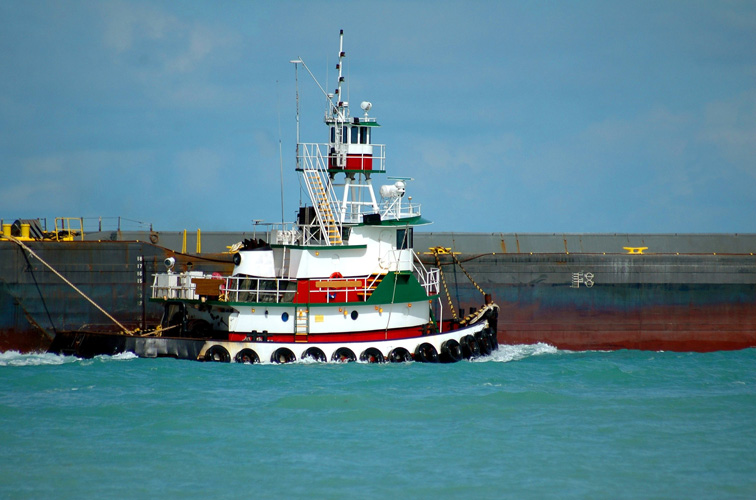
(372, 283)
(323, 206)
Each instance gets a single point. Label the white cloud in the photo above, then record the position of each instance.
(731, 126)
(162, 42)
(127, 24)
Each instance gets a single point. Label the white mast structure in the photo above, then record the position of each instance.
(350, 152)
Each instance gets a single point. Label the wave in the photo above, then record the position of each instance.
(506, 353)
(15, 358)
(124, 356)
(503, 354)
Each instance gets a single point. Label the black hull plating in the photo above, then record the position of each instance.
(35, 304)
(89, 345)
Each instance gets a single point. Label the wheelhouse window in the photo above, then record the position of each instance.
(355, 135)
(404, 239)
(364, 135)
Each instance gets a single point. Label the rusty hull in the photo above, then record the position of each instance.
(35, 303)
(607, 302)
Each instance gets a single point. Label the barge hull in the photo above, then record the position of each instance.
(35, 303)
(607, 302)
(683, 293)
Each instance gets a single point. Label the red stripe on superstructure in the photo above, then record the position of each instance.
(309, 293)
(353, 162)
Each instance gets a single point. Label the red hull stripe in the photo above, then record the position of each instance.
(378, 335)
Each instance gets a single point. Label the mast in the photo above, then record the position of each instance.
(349, 151)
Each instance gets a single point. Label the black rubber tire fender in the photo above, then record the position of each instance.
(218, 354)
(426, 353)
(451, 351)
(343, 355)
(315, 354)
(470, 347)
(247, 356)
(372, 355)
(399, 355)
(282, 355)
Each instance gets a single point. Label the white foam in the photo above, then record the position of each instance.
(15, 358)
(506, 353)
(124, 356)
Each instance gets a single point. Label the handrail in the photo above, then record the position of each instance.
(260, 290)
(428, 278)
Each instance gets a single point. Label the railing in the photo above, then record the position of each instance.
(249, 289)
(272, 290)
(78, 226)
(176, 286)
(393, 208)
(428, 278)
(319, 153)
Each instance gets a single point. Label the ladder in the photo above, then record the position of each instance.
(301, 324)
(319, 194)
(371, 283)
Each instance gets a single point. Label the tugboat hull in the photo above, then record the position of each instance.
(445, 347)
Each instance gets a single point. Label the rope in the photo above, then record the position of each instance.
(393, 298)
(474, 316)
(436, 252)
(31, 252)
(157, 332)
(466, 273)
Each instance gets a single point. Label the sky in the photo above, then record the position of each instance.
(510, 116)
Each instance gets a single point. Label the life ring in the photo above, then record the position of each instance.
(334, 275)
(154, 238)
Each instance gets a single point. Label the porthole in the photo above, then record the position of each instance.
(285, 317)
(355, 314)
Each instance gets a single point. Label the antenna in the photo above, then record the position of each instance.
(296, 90)
(280, 151)
(339, 67)
(328, 97)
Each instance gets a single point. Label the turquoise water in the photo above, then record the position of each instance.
(525, 422)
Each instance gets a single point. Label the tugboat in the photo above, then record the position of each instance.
(341, 284)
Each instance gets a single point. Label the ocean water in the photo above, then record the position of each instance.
(525, 422)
